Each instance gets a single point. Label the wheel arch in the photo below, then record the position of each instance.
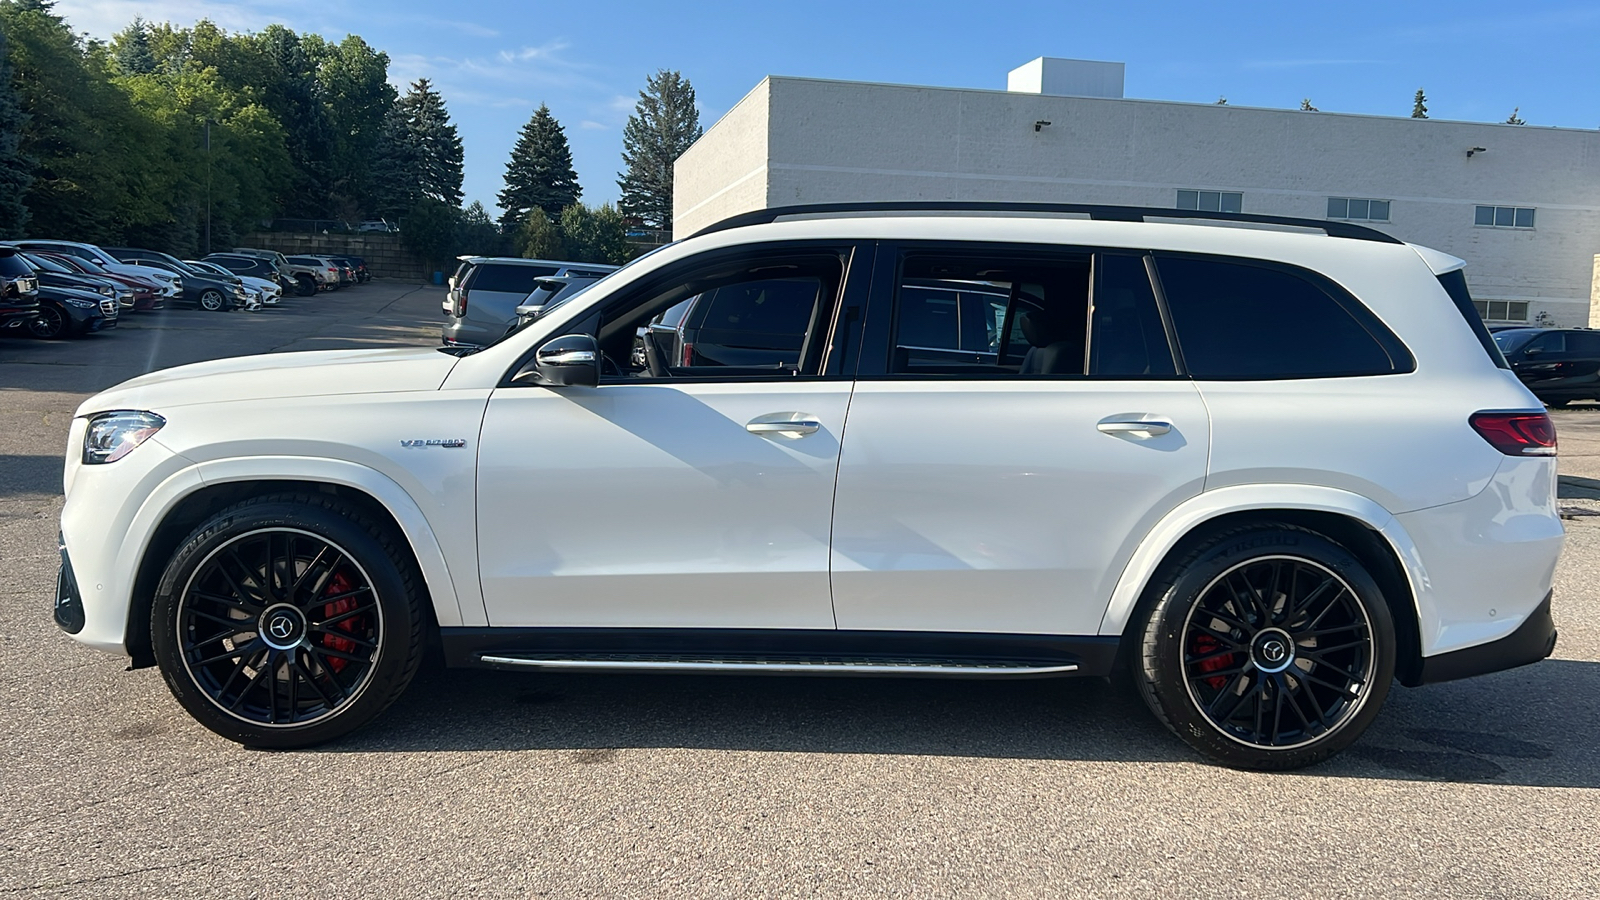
(225, 482)
(1358, 523)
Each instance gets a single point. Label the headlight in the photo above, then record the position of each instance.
(113, 435)
(81, 304)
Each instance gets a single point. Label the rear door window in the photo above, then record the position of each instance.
(507, 279)
(1583, 343)
(1244, 321)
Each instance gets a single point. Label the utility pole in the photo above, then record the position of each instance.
(208, 186)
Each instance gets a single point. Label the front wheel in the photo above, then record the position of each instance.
(50, 324)
(305, 286)
(1266, 647)
(287, 621)
(212, 301)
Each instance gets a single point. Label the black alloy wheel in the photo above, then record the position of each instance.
(287, 621)
(50, 324)
(211, 300)
(1269, 647)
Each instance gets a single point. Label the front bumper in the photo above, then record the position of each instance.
(1534, 640)
(69, 614)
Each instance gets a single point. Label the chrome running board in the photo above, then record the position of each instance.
(776, 665)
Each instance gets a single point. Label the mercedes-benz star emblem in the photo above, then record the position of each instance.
(281, 627)
(1274, 651)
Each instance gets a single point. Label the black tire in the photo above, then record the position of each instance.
(305, 285)
(1236, 652)
(50, 324)
(211, 300)
(325, 625)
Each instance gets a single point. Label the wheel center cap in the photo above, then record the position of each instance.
(1272, 650)
(282, 626)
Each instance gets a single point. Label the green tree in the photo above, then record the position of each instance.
(436, 143)
(14, 167)
(133, 55)
(539, 238)
(539, 173)
(1419, 105)
(353, 85)
(477, 233)
(594, 235)
(663, 125)
(430, 231)
(396, 167)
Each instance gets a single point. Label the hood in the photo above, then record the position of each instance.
(277, 375)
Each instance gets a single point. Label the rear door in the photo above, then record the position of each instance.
(1002, 489)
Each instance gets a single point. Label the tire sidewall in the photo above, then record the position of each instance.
(398, 615)
(58, 329)
(1162, 680)
(211, 301)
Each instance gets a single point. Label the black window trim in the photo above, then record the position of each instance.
(1401, 360)
(836, 362)
(880, 332)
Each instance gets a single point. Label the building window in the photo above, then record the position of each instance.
(1504, 216)
(1502, 310)
(1211, 201)
(1352, 208)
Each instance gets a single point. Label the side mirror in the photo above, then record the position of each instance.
(1533, 351)
(569, 360)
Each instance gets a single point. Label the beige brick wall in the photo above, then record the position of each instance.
(386, 254)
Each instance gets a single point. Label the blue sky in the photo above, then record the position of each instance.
(496, 61)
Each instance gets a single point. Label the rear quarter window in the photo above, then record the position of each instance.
(508, 279)
(1248, 321)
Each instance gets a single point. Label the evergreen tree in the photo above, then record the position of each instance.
(14, 167)
(1419, 105)
(663, 125)
(132, 53)
(538, 237)
(436, 143)
(477, 233)
(595, 235)
(1513, 120)
(539, 173)
(396, 167)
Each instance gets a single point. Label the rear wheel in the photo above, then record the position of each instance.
(212, 300)
(288, 621)
(305, 285)
(1266, 647)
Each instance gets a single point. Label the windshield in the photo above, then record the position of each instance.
(47, 265)
(1512, 341)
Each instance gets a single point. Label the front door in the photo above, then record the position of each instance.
(671, 495)
(1001, 488)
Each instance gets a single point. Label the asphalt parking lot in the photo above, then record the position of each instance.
(490, 784)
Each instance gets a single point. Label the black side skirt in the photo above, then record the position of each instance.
(1533, 640)
(1092, 655)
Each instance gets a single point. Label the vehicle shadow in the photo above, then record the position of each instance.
(29, 475)
(1535, 726)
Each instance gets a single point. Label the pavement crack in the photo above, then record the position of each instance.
(57, 885)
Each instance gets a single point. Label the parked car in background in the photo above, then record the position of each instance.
(207, 290)
(147, 293)
(1559, 365)
(19, 291)
(68, 312)
(172, 285)
(255, 267)
(485, 291)
(377, 226)
(549, 293)
(54, 274)
(267, 290)
(363, 274)
(351, 267)
(347, 270)
(324, 271)
(278, 259)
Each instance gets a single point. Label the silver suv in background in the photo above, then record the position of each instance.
(485, 292)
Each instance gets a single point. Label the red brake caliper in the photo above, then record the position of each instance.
(1204, 645)
(339, 584)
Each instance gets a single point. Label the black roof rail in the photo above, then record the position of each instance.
(1093, 211)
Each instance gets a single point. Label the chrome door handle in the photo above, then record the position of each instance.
(1135, 429)
(793, 428)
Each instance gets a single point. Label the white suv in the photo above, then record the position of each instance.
(1267, 467)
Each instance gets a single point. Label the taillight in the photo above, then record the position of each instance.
(1517, 433)
(461, 304)
(688, 355)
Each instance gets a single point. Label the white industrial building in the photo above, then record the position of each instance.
(1520, 203)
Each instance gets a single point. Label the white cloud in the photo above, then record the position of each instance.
(592, 125)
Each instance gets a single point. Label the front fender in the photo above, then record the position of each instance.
(1210, 505)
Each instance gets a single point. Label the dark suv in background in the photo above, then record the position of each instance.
(19, 291)
(1559, 365)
